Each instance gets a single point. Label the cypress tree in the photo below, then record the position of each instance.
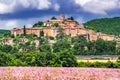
(24, 30)
(41, 33)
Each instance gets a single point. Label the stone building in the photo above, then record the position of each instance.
(52, 22)
(8, 41)
(70, 27)
(23, 40)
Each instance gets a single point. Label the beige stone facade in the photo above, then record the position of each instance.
(8, 41)
(36, 42)
(60, 21)
(70, 27)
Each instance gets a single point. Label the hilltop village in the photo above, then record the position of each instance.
(70, 27)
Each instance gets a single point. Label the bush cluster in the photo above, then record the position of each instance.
(99, 64)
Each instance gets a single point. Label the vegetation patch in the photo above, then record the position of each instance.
(105, 25)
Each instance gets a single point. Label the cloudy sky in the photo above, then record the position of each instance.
(17, 13)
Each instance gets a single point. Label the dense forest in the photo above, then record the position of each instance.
(105, 25)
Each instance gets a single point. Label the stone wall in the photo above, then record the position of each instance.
(69, 31)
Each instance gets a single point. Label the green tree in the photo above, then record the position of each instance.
(41, 37)
(53, 18)
(61, 45)
(7, 34)
(6, 48)
(79, 39)
(56, 25)
(24, 30)
(41, 33)
(68, 59)
(17, 62)
(5, 59)
(14, 50)
(70, 18)
(80, 43)
(20, 56)
(101, 47)
(55, 60)
(40, 59)
(31, 37)
(61, 35)
(79, 48)
(45, 48)
(38, 24)
(28, 43)
(30, 58)
(28, 47)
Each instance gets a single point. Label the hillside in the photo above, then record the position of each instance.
(4, 31)
(105, 25)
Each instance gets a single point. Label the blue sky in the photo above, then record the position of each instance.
(17, 13)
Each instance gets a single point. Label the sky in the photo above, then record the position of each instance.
(17, 13)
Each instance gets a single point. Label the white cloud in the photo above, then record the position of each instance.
(8, 24)
(29, 25)
(5, 8)
(19, 23)
(82, 2)
(24, 3)
(13, 5)
(38, 4)
(79, 19)
(56, 7)
(98, 6)
(43, 4)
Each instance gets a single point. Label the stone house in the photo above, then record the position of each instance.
(23, 40)
(8, 41)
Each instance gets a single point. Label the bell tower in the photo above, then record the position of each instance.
(62, 17)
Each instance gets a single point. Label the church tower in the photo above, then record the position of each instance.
(62, 17)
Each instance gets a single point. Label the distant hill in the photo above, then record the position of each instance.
(4, 31)
(105, 25)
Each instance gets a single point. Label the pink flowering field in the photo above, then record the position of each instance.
(54, 73)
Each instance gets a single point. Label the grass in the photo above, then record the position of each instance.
(92, 60)
(1, 36)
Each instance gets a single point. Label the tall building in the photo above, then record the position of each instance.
(62, 17)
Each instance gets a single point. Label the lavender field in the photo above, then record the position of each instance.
(54, 73)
